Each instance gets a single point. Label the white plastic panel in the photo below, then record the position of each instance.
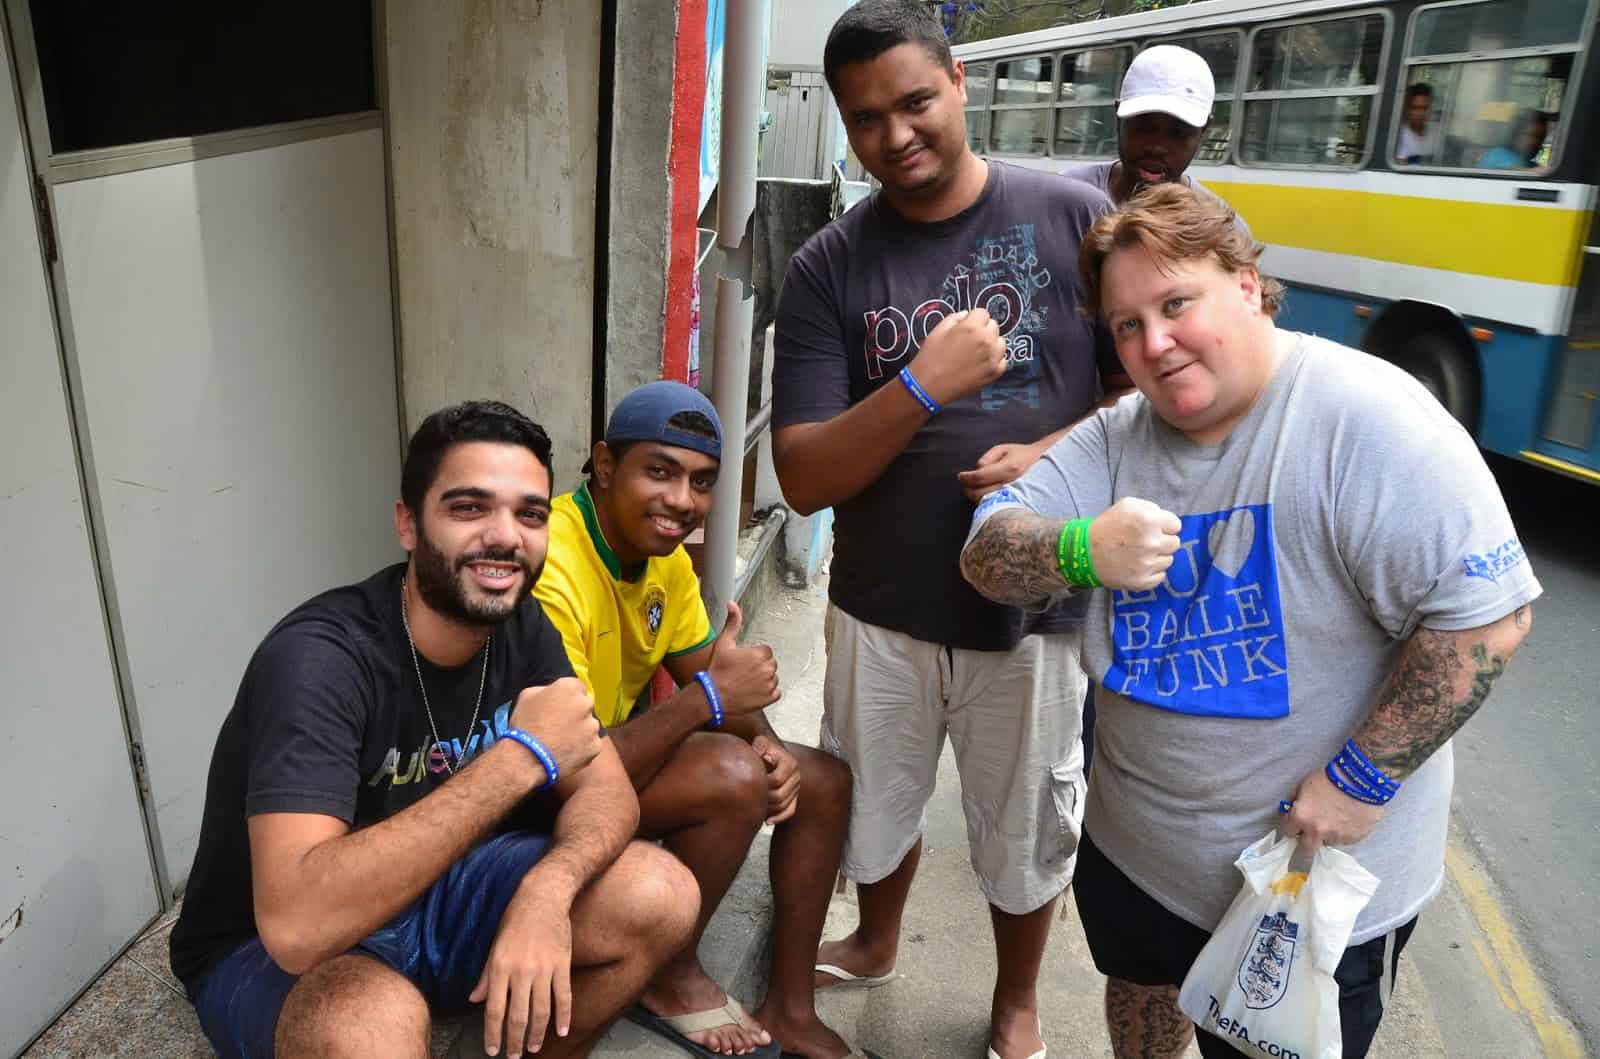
(75, 878)
(233, 329)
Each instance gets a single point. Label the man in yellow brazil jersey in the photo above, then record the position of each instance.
(708, 768)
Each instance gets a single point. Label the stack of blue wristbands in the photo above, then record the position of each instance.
(1355, 775)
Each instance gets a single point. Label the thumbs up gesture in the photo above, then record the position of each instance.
(746, 677)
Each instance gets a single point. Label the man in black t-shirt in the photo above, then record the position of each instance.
(929, 347)
(378, 842)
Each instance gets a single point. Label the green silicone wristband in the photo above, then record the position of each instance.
(1072, 555)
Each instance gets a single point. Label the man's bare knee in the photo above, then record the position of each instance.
(733, 775)
(1144, 1020)
(664, 899)
(352, 1006)
(826, 784)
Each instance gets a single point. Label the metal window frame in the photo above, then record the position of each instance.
(1374, 90)
(1408, 62)
(1078, 104)
(1048, 106)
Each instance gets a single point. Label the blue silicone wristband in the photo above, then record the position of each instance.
(928, 403)
(1368, 799)
(551, 771)
(712, 698)
(1360, 765)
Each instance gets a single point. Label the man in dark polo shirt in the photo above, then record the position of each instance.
(927, 342)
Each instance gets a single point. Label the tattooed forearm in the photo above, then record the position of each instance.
(1145, 1021)
(1013, 558)
(1441, 680)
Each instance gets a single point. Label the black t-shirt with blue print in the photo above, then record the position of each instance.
(328, 719)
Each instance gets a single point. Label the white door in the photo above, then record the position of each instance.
(76, 881)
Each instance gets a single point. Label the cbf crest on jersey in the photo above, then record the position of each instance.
(1208, 640)
(1264, 973)
(653, 611)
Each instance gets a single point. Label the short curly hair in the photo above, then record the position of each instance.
(1172, 223)
(468, 421)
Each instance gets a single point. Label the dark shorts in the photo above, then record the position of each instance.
(441, 944)
(1133, 937)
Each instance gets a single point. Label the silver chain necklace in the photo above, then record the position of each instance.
(405, 620)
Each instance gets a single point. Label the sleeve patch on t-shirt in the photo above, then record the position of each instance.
(1002, 497)
(1209, 640)
(1493, 564)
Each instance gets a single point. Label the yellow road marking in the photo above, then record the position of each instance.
(1558, 1040)
(1482, 949)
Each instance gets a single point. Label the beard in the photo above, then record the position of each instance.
(444, 587)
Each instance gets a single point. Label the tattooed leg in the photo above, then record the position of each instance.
(1145, 1022)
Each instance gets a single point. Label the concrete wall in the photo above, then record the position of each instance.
(493, 123)
(640, 196)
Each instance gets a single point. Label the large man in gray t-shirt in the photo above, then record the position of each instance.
(1311, 582)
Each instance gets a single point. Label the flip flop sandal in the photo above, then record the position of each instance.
(846, 980)
(1036, 1055)
(676, 1028)
(854, 1053)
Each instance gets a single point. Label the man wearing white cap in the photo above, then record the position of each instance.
(1162, 114)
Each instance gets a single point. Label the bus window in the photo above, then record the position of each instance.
(1221, 53)
(980, 83)
(1498, 25)
(1473, 98)
(1311, 92)
(1019, 122)
(1086, 114)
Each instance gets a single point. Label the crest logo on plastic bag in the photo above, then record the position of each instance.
(1264, 974)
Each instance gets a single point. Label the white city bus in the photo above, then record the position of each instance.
(1473, 264)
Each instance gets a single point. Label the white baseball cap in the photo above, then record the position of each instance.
(1167, 79)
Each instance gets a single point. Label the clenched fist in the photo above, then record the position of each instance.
(1132, 543)
(561, 716)
(961, 356)
(746, 677)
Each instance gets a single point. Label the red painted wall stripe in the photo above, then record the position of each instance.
(683, 173)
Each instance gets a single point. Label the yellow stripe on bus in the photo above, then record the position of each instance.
(1533, 245)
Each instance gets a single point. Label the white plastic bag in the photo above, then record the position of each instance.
(1264, 982)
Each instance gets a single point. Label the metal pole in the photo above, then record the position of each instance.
(742, 83)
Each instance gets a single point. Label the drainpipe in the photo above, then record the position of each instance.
(742, 83)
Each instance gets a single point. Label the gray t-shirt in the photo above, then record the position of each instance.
(1346, 509)
(1098, 174)
(859, 298)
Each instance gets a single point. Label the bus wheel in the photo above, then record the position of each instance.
(1444, 371)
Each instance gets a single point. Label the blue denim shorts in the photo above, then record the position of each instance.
(441, 944)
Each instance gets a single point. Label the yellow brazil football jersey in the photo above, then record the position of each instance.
(616, 625)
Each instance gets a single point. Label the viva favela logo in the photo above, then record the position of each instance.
(1209, 640)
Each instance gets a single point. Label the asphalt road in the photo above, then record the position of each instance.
(1527, 785)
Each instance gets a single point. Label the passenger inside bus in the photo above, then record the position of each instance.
(1416, 143)
(1527, 140)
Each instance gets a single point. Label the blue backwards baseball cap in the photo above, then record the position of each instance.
(645, 414)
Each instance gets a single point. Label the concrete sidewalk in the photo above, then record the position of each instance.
(1463, 988)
